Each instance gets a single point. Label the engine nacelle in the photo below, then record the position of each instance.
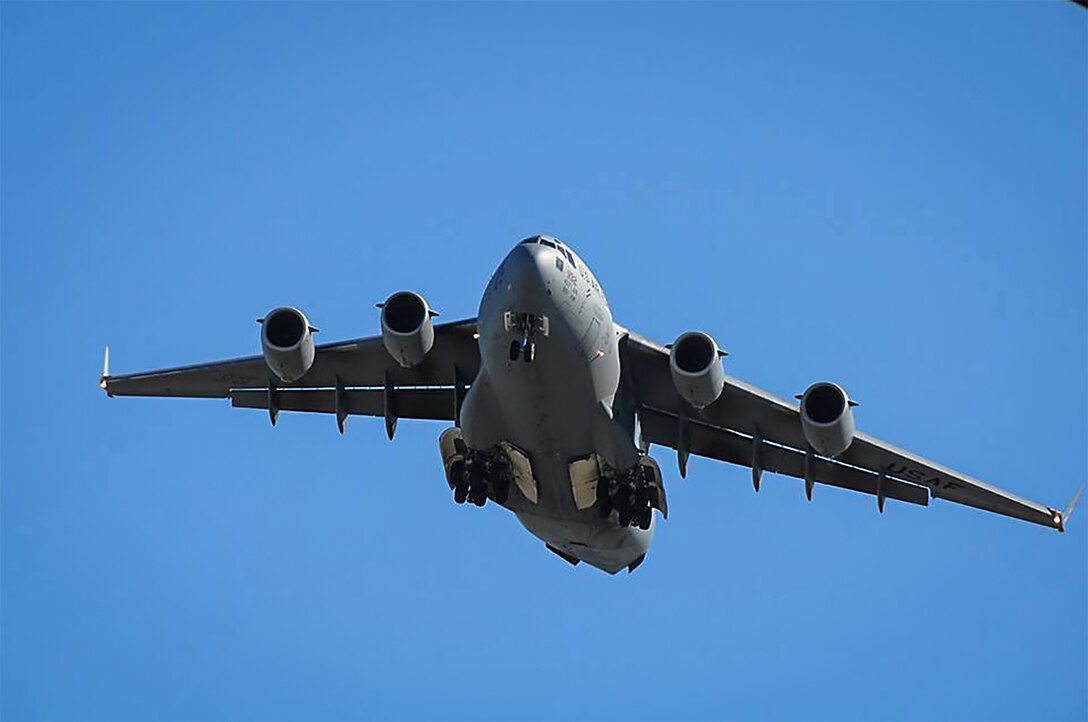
(288, 343)
(407, 332)
(697, 369)
(827, 418)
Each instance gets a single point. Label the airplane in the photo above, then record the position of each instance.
(555, 407)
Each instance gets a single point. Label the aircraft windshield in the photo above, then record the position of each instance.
(551, 243)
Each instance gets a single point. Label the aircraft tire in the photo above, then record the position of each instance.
(604, 507)
(478, 493)
(653, 497)
(460, 493)
(456, 474)
(625, 517)
(515, 350)
(604, 501)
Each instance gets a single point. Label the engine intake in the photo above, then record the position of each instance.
(407, 332)
(696, 369)
(827, 418)
(288, 343)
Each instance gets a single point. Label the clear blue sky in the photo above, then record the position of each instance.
(892, 196)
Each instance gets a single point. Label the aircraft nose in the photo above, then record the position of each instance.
(530, 267)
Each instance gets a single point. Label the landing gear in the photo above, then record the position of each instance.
(456, 477)
(604, 498)
(633, 495)
(477, 482)
(456, 471)
(501, 491)
(475, 475)
(625, 516)
(528, 326)
(525, 348)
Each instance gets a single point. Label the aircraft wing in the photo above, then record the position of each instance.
(750, 427)
(347, 377)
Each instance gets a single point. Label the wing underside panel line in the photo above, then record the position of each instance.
(735, 447)
(433, 403)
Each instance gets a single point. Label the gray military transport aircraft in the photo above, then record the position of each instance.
(555, 406)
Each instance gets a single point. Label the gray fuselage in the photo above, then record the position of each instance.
(558, 408)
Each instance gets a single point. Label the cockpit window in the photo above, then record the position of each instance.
(551, 243)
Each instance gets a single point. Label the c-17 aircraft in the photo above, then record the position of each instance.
(555, 408)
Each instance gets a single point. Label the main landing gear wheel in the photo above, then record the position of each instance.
(479, 475)
(529, 353)
(477, 483)
(653, 498)
(456, 474)
(515, 349)
(604, 498)
(631, 496)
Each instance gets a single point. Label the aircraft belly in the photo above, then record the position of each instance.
(555, 407)
(551, 410)
(602, 544)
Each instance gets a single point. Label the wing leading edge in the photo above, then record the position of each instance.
(750, 427)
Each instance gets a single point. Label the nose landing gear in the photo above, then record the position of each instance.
(524, 348)
(529, 326)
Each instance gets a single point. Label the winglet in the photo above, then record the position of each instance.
(1061, 517)
(104, 379)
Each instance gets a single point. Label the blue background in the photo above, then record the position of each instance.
(892, 196)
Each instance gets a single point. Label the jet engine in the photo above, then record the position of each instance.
(407, 333)
(288, 343)
(696, 369)
(827, 418)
